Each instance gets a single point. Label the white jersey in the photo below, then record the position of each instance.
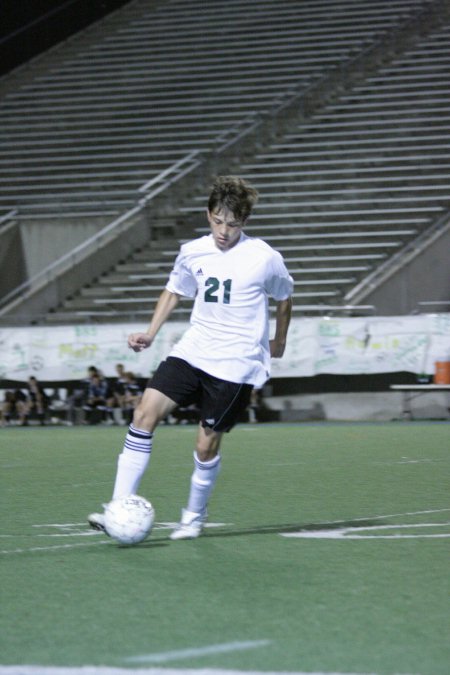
(229, 332)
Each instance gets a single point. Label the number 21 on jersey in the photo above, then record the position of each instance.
(216, 291)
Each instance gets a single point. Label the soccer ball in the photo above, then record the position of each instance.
(129, 520)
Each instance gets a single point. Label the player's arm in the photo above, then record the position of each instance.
(282, 321)
(164, 307)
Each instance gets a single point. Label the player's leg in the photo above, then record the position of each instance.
(207, 462)
(136, 452)
(173, 383)
(135, 456)
(222, 405)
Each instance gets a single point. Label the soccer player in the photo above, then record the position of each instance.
(224, 353)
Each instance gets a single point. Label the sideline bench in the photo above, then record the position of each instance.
(412, 391)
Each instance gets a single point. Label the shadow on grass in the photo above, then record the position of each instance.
(283, 528)
(293, 527)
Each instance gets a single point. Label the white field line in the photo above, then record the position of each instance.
(195, 652)
(73, 531)
(346, 532)
(70, 527)
(390, 515)
(33, 549)
(106, 670)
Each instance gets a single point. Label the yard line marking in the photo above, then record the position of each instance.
(171, 526)
(62, 525)
(405, 460)
(69, 530)
(342, 532)
(417, 461)
(324, 533)
(395, 515)
(34, 549)
(107, 670)
(175, 655)
(345, 532)
(388, 515)
(73, 532)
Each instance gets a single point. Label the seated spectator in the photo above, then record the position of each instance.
(117, 395)
(189, 414)
(97, 399)
(118, 387)
(37, 400)
(14, 405)
(131, 396)
(255, 405)
(80, 393)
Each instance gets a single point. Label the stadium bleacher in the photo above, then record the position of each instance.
(94, 129)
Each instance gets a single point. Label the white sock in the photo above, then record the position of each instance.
(202, 482)
(132, 462)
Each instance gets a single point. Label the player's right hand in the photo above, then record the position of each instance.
(139, 341)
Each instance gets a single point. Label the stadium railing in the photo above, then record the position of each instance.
(91, 247)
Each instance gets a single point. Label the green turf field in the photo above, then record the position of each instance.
(327, 551)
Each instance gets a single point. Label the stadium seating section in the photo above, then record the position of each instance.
(338, 111)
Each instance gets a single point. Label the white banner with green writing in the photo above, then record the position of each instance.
(315, 346)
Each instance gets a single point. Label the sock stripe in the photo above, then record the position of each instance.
(139, 433)
(138, 440)
(137, 448)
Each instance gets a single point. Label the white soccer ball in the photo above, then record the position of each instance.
(129, 520)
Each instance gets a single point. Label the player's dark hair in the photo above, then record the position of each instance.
(234, 194)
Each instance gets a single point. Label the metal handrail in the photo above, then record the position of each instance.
(237, 132)
(9, 216)
(173, 167)
(398, 260)
(109, 232)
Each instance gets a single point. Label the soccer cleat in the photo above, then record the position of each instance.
(97, 522)
(190, 526)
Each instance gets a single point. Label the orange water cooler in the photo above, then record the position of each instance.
(441, 372)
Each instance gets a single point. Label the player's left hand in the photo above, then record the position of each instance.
(139, 341)
(277, 349)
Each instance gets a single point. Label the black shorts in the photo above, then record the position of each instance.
(220, 402)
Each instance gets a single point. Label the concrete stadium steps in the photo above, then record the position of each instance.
(378, 154)
(116, 105)
(321, 271)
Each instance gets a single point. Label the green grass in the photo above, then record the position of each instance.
(367, 601)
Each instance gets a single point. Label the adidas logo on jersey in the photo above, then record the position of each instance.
(199, 272)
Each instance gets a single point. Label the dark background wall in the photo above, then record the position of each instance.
(29, 27)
